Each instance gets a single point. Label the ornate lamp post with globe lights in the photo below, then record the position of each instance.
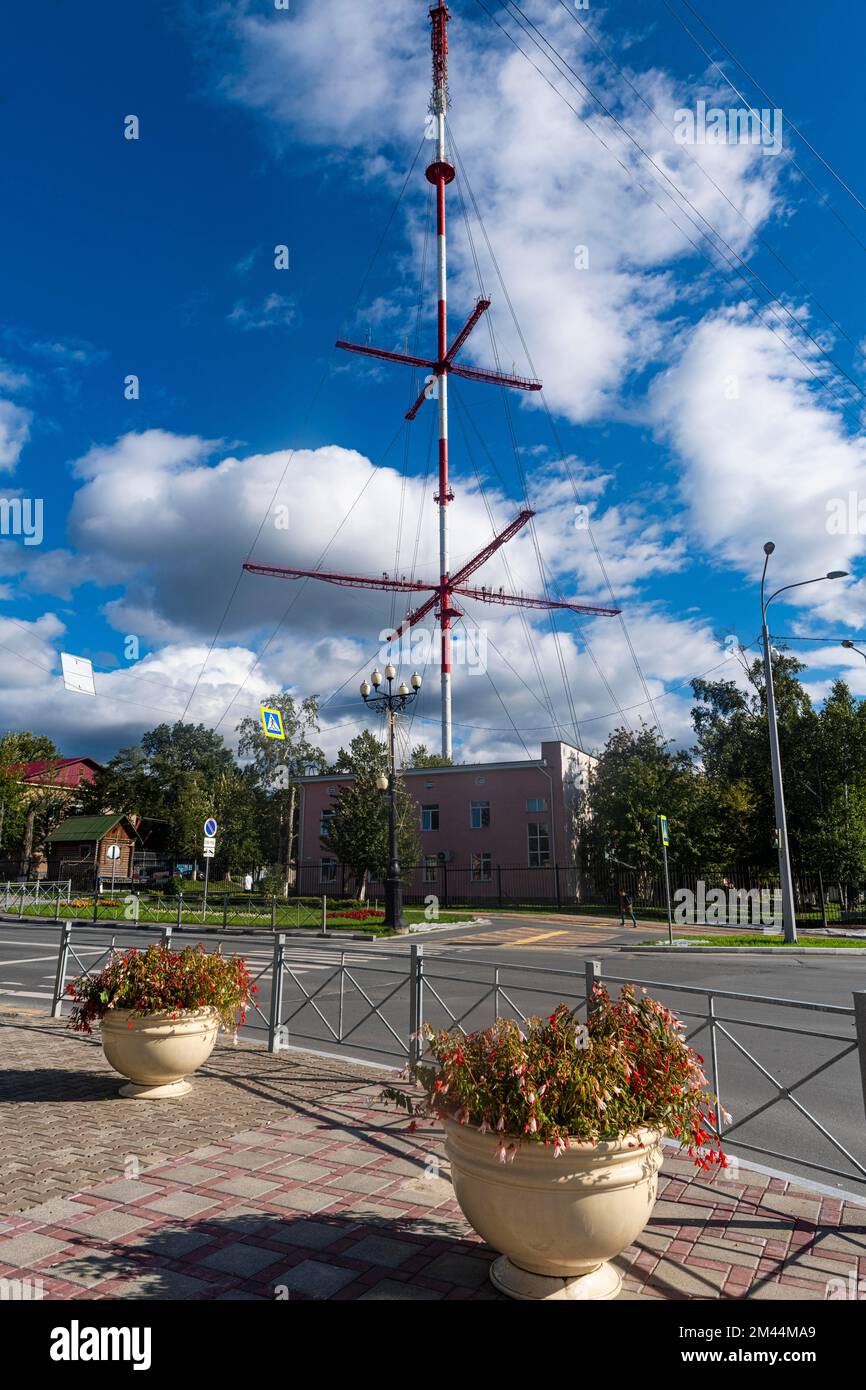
(391, 702)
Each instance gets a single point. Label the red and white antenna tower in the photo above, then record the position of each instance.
(440, 173)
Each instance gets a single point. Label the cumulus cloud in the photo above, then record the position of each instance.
(588, 234)
(764, 457)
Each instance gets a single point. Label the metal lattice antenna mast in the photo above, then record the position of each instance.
(440, 173)
(441, 596)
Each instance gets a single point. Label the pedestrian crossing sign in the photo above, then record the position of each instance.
(272, 722)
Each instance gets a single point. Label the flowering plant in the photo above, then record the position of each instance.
(160, 980)
(560, 1081)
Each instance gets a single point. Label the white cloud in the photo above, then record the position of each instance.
(273, 311)
(15, 423)
(763, 457)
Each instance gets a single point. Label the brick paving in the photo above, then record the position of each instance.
(309, 1188)
(64, 1128)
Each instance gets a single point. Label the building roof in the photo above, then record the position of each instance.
(77, 828)
(60, 772)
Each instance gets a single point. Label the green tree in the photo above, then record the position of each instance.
(277, 765)
(421, 756)
(358, 827)
(29, 813)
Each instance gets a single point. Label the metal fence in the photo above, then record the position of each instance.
(374, 1003)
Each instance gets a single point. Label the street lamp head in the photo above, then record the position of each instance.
(365, 688)
(390, 672)
(838, 574)
(846, 642)
(416, 681)
(769, 547)
(382, 782)
(376, 678)
(403, 689)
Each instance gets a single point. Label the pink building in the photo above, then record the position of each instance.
(489, 831)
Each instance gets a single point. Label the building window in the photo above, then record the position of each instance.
(539, 845)
(324, 823)
(429, 817)
(536, 803)
(328, 871)
(431, 868)
(479, 818)
(481, 867)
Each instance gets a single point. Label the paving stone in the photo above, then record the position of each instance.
(808, 1209)
(108, 1225)
(252, 1160)
(161, 1284)
(304, 1199)
(191, 1174)
(304, 1148)
(315, 1279)
(242, 1259)
(245, 1187)
(53, 1212)
(89, 1269)
(242, 1220)
(302, 1171)
(124, 1190)
(181, 1204)
(392, 1290)
(784, 1292)
(469, 1271)
(379, 1250)
(426, 1192)
(359, 1182)
(171, 1242)
(309, 1235)
(28, 1248)
(695, 1282)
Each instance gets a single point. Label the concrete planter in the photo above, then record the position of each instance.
(156, 1052)
(557, 1221)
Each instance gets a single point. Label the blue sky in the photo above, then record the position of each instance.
(261, 127)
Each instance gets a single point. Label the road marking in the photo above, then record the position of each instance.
(26, 994)
(24, 960)
(527, 940)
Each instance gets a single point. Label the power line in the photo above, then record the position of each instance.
(739, 271)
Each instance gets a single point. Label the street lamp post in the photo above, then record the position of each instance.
(789, 920)
(391, 702)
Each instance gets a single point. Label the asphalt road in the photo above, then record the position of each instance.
(529, 965)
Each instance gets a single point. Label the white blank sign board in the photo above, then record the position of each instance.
(77, 673)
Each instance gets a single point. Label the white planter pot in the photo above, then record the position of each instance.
(156, 1052)
(557, 1221)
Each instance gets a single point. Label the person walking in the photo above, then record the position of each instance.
(625, 906)
(248, 883)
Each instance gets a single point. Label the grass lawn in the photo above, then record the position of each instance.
(289, 917)
(806, 941)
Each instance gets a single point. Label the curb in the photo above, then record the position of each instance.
(804, 952)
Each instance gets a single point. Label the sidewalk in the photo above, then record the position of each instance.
(285, 1177)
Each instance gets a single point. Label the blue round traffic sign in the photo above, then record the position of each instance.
(210, 826)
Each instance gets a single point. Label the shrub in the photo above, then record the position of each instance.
(160, 980)
(561, 1081)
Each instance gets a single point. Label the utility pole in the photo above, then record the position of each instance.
(789, 919)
